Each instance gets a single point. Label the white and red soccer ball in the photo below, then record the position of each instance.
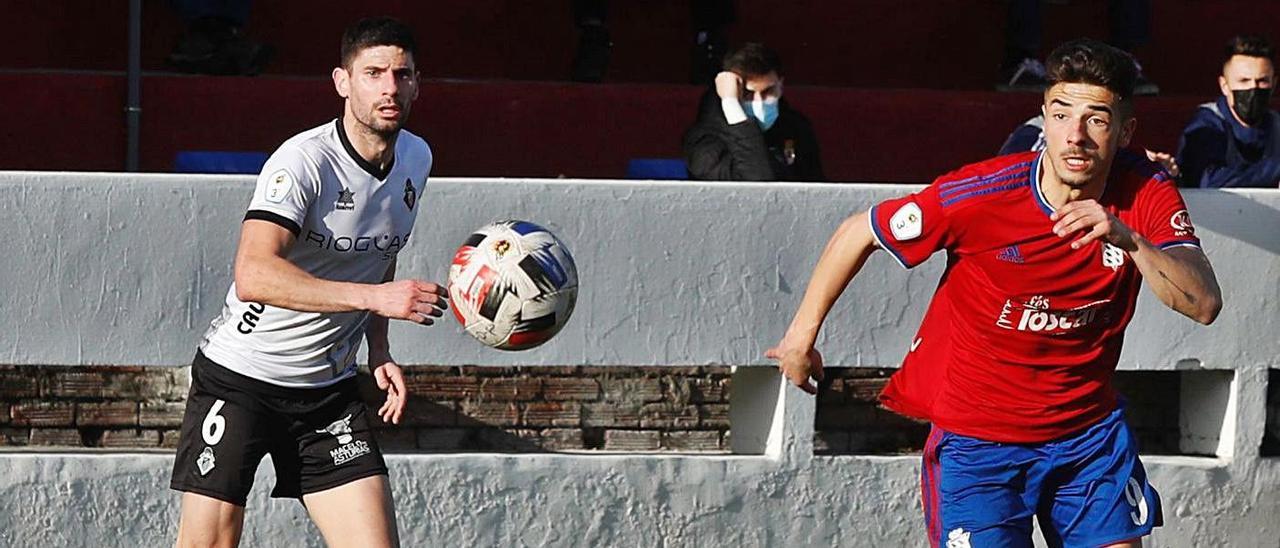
(512, 285)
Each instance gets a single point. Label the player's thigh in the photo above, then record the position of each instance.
(339, 472)
(983, 493)
(221, 443)
(357, 514)
(1106, 498)
(206, 521)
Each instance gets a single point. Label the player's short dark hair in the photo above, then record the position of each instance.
(1088, 61)
(376, 31)
(753, 59)
(1248, 45)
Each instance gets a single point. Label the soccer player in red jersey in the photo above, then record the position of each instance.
(1012, 364)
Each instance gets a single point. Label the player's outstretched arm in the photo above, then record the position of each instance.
(1181, 277)
(264, 275)
(846, 252)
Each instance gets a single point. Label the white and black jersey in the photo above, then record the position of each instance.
(350, 220)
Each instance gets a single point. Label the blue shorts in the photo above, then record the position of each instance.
(1088, 489)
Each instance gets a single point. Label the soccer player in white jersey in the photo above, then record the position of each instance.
(275, 373)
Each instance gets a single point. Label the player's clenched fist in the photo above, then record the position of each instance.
(798, 366)
(412, 300)
(1090, 217)
(728, 85)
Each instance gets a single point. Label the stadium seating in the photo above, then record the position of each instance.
(897, 93)
(529, 129)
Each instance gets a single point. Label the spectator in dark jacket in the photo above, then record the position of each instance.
(1030, 137)
(746, 131)
(1235, 141)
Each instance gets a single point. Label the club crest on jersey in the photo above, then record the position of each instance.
(346, 201)
(410, 195)
(1112, 256)
(907, 223)
(278, 186)
(1180, 222)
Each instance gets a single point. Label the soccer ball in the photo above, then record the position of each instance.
(513, 285)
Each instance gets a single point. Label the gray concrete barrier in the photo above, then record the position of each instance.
(128, 269)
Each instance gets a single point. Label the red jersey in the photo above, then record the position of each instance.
(1023, 333)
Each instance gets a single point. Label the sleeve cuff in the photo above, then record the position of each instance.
(733, 112)
(875, 235)
(276, 218)
(1178, 243)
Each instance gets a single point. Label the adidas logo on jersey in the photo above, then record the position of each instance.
(345, 201)
(1011, 254)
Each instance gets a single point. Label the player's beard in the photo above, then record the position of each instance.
(381, 127)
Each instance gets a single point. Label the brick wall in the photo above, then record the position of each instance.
(91, 406)
(505, 409)
(849, 421)
(524, 409)
(517, 409)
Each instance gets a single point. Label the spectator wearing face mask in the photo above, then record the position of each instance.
(746, 131)
(1235, 141)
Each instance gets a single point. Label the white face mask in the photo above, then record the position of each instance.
(765, 111)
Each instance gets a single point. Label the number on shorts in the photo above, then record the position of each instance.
(215, 425)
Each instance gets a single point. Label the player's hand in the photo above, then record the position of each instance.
(1089, 217)
(1164, 159)
(413, 300)
(798, 366)
(728, 85)
(390, 379)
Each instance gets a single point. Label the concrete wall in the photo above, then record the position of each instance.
(117, 269)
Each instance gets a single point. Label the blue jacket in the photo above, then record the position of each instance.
(1028, 136)
(1217, 151)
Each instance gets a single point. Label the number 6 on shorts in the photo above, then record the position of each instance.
(214, 425)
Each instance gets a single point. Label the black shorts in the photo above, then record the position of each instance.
(318, 438)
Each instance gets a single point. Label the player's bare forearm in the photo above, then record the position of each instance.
(843, 257)
(273, 280)
(264, 275)
(1182, 278)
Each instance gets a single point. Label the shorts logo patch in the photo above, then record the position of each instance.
(1138, 500)
(348, 447)
(1180, 222)
(278, 186)
(907, 223)
(958, 538)
(340, 429)
(205, 462)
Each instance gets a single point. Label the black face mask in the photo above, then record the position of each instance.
(1252, 104)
